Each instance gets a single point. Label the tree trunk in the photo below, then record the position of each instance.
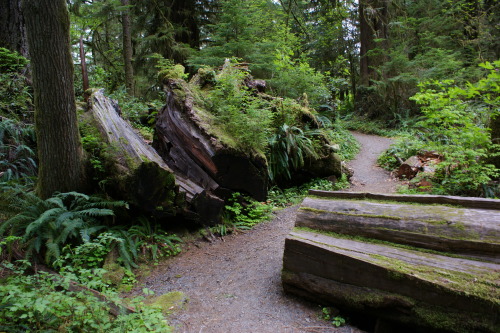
(127, 49)
(12, 28)
(59, 147)
(85, 74)
(373, 16)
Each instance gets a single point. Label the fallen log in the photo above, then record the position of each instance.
(468, 202)
(141, 176)
(472, 232)
(184, 143)
(395, 284)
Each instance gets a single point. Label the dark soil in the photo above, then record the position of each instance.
(233, 283)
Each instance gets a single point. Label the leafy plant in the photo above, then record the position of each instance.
(288, 148)
(17, 158)
(244, 118)
(43, 302)
(328, 315)
(47, 225)
(242, 213)
(151, 241)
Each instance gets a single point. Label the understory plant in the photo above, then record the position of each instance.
(245, 118)
(46, 303)
(455, 125)
(17, 155)
(47, 225)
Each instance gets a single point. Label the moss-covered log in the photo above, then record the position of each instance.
(141, 176)
(187, 147)
(465, 231)
(412, 287)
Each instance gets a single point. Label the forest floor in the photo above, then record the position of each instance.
(233, 284)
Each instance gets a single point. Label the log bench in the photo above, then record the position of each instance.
(399, 259)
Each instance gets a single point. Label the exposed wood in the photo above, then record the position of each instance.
(189, 150)
(469, 202)
(395, 284)
(472, 232)
(143, 177)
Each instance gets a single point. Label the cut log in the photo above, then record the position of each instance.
(469, 202)
(141, 176)
(183, 142)
(409, 168)
(472, 232)
(396, 284)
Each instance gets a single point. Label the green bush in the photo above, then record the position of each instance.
(47, 225)
(244, 118)
(45, 303)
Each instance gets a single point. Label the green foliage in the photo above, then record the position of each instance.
(328, 315)
(153, 242)
(278, 197)
(167, 69)
(45, 303)
(295, 78)
(455, 125)
(17, 157)
(11, 61)
(244, 118)
(47, 225)
(288, 148)
(242, 213)
(15, 97)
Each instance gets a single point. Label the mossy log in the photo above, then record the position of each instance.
(469, 202)
(141, 176)
(185, 145)
(421, 289)
(465, 231)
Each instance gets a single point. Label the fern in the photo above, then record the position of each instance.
(47, 225)
(288, 148)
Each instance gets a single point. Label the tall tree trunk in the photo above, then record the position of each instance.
(12, 29)
(373, 17)
(85, 74)
(127, 49)
(59, 148)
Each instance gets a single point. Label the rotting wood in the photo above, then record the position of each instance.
(468, 202)
(465, 231)
(396, 284)
(143, 177)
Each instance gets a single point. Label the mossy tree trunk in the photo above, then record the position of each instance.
(59, 147)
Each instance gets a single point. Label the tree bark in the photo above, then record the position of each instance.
(397, 284)
(85, 74)
(59, 147)
(471, 232)
(12, 27)
(127, 49)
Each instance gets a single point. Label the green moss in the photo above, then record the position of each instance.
(388, 201)
(320, 211)
(170, 302)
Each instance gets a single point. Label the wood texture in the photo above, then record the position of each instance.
(468, 202)
(188, 149)
(408, 286)
(473, 232)
(145, 179)
(58, 140)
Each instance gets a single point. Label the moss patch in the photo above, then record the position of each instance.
(170, 302)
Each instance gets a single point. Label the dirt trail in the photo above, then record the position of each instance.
(233, 285)
(368, 177)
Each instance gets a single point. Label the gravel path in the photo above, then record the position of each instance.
(368, 177)
(233, 284)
